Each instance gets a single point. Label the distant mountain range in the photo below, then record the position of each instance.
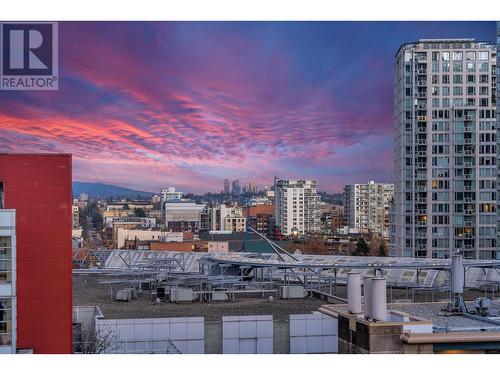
(99, 190)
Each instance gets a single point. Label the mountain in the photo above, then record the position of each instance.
(94, 189)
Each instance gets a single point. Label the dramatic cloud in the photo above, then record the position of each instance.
(149, 105)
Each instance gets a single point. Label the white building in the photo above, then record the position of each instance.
(366, 206)
(8, 281)
(183, 216)
(297, 206)
(169, 195)
(445, 150)
(224, 218)
(147, 235)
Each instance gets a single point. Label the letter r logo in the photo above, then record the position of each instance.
(27, 49)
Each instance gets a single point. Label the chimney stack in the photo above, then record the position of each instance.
(457, 274)
(379, 299)
(354, 292)
(367, 298)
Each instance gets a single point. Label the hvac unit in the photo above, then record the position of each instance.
(181, 295)
(292, 292)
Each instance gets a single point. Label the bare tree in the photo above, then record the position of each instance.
(96, 340)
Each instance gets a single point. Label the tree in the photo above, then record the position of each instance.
(96, 340)
(382, 251)
(139, 212)
(362, 248)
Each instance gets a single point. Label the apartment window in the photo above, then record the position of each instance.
(483, 90)
(471, 90)
(446, 79)
(1, 195)
(484, 67)
(445, 91)
(471, 67)
(446, 67)
(457, 90)
(483, 78)
(471, 56)
(483, 55)
(471, 78)
(458, 56)
(457, 79)
(445, 56)
(5, 321)
(457, 67)
(5, 259)
(446, 102)
(435, 56)
(483, 102)
(435, 79)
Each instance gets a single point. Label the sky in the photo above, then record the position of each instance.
(148, 105)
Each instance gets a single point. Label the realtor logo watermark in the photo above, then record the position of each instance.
(29, 56)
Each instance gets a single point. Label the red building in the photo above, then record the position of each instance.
(38, 187)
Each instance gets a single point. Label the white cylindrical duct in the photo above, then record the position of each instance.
(457, 274)
(379, 299)
(354, 292)
(367, 297)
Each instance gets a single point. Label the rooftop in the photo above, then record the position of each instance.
(89, 291)
(434, 312)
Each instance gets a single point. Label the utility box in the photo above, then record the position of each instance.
(181, 295)
(124, 295)
(219, 295)
(292, 292)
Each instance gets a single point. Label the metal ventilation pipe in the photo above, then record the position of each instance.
(354, 292)
(367, 284)
(457, 274)
(379, 299)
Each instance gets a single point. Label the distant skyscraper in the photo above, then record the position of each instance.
(366, 206)
(226, 186)
(445, 150)
(297, 206)
(236, 187)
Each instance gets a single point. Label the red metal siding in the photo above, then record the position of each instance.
(38, 186)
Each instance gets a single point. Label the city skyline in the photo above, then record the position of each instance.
(149, 105)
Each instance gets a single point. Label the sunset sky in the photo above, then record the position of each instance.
(151, 105)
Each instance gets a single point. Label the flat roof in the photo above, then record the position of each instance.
(433, 311)
(88, 290)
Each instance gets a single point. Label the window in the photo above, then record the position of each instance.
(457, 79)
(483, 90)
(457, 56)
(1, 195)
(457, 90)
(5, 321)
(471, 67)
(5, 259)
(457, 67)
(483, 55)
(471, 56)
(483, 102)
(446, 79)
(445, 56)
(483, 67)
